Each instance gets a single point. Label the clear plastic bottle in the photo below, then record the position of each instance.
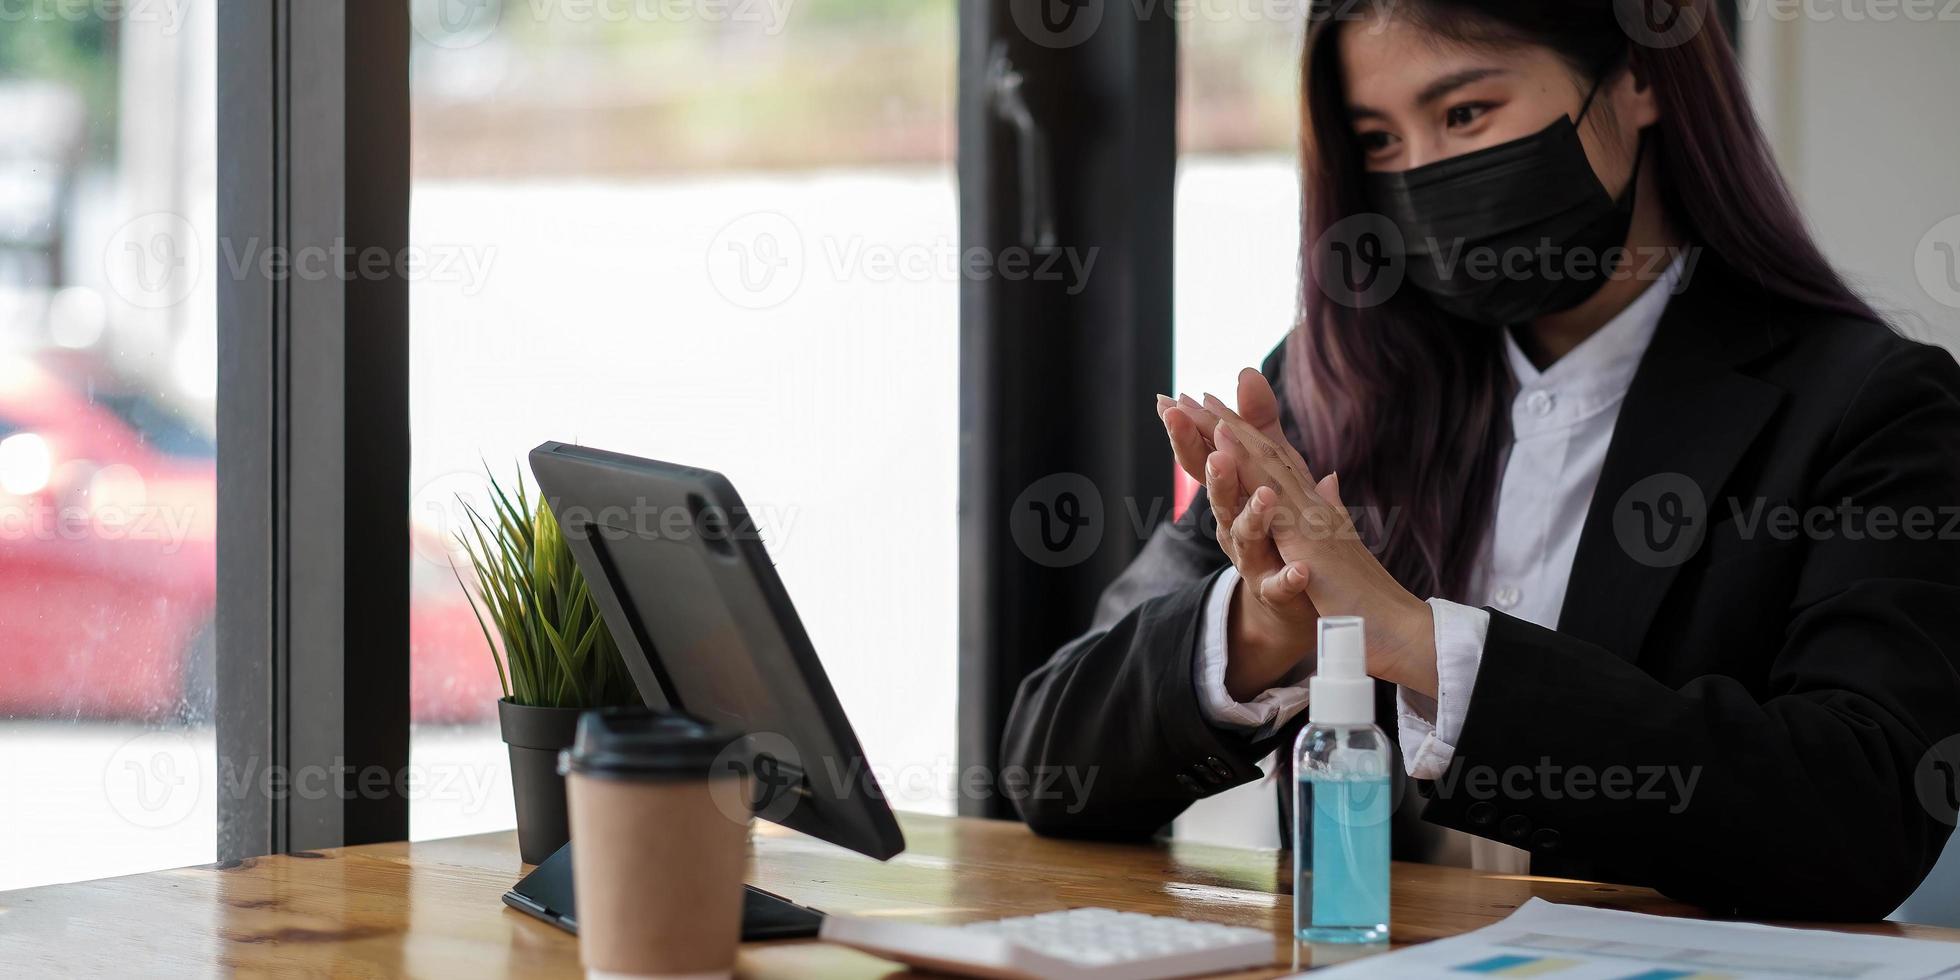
(1341, 798)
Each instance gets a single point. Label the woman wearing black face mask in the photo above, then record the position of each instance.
(1643, 507)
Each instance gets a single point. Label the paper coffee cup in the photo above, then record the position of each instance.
(656, 863)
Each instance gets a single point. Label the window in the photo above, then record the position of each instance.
(1238, 188)
(107, 471)
(727, 240)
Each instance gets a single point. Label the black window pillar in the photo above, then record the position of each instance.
(313, 447)
(1068, 152)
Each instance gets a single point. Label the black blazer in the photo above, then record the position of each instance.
(1799, 680)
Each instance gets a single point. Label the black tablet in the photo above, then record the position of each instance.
(679, 571)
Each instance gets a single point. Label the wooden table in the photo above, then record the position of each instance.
(433, 908)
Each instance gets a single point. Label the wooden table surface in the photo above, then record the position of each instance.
(434, 909)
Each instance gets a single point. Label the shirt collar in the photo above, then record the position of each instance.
(1595, 375)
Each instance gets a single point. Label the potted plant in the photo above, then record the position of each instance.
(554, 655)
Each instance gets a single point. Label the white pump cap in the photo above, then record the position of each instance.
(1341, 693)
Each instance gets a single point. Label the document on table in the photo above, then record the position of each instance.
(1568, 942)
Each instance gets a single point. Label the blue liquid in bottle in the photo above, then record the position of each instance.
(1341, 798)
(1340, 859)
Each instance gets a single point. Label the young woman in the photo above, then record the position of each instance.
(1646, 511)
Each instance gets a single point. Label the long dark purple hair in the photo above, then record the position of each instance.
(1411, 407)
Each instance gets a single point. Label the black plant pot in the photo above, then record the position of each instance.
(535, 737)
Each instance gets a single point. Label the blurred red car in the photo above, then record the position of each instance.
(108, 566)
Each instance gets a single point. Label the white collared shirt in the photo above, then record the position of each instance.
(1562, 422)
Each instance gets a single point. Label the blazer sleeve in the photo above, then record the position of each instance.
(1108, 733)
(1803, 801)
(1110, 726)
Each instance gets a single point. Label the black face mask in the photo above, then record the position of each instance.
(1510, 232)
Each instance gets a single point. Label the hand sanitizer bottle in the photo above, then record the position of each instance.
(1341, 798)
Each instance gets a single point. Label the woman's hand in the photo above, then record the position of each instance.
(1271, 625)
(1310, 531)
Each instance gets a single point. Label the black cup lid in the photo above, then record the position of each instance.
(636, 742)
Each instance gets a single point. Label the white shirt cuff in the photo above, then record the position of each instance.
(1429, 728)
(1261, 716)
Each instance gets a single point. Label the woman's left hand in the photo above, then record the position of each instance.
(1345, 578)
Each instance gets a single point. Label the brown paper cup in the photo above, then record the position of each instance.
(658, 869)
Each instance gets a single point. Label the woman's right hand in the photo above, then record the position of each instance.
(1272, 623)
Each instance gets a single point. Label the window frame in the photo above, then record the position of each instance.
(312, 409)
